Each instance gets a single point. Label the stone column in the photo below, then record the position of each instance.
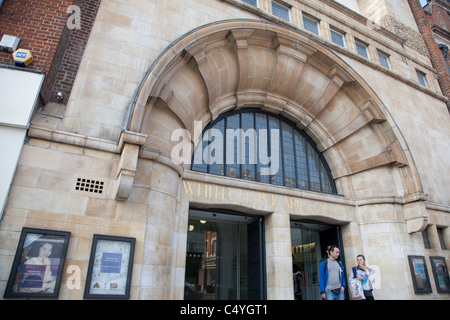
(163, 242)
(278, 257)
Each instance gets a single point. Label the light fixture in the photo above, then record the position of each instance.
(202, 221)
(191, 227)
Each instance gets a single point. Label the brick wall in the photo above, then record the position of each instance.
(76, 43)
(42, 27)
(438, 15)
(39, 24)
(437, 59)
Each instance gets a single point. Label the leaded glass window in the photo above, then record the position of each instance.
(254, 145)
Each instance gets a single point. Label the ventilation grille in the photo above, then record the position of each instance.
(89, 185)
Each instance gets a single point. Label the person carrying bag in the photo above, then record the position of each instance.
(366, 278)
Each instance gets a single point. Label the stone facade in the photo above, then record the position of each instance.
(152, 67)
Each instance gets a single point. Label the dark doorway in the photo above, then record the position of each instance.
(309, 241)
(225, 257)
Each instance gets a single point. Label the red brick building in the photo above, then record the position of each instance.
(434, 24)
(56, 32)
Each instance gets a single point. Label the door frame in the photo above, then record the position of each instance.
(260, 221)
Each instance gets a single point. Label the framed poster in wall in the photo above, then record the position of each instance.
(440, 273)
(419, 274)
(38, 264)
(110, 267)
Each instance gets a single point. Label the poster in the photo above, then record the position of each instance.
(110, 267)
(37, 267)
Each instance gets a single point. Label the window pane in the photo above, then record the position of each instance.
(311, 25)
(263, 144)
(249, 143)
(361, 48)
(276, 174)
(231, 150)
(300, 153)
(314, 169)
(326, 183)
(426, 241)
(216, 150)
(281, 11)
(422, 79)
(384, 59)
(198, 163)
(337, 38)
(252, 2)
(288, 156)
(440, 232)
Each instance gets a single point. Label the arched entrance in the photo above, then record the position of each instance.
(233, 64)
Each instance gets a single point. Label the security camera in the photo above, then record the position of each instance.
(59, 96)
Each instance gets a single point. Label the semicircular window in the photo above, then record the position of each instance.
(255, 145)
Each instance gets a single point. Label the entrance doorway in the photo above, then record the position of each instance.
(225, 257)
(309, 241)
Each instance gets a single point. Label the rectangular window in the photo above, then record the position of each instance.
(440, 232)
(281, 11)
(422, 78)
(311, 25)
(338, 37)
(384, 59)
(426, 240)
(362, 48)
(252, 2)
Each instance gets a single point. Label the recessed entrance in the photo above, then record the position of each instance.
(224, 258)
(309, 243)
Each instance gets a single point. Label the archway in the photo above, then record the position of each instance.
(246, 63)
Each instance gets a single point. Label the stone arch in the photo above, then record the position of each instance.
(239, 63)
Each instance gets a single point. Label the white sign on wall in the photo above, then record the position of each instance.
(19, 91)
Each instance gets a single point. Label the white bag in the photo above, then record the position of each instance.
(356, 290)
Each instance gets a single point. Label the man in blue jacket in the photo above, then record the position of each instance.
(331, 276)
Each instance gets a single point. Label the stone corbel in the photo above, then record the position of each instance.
(416, 216)
(129, 144)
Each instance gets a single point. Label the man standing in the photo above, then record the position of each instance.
(331, 276)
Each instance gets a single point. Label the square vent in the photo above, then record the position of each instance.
(89, 185)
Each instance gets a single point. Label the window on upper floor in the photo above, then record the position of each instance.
(426, 240)
(255, 145)
(252, 2)
(362, 48)
(421, 76)
(281, 11)
(440, 232)
(338, 37)
(311, 24)
(384, 59)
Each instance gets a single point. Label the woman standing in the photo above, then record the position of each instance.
(364, 274)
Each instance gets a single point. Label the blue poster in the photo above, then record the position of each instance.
(32, 276)
(111, 262)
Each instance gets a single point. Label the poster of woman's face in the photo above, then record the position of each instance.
(38, 263)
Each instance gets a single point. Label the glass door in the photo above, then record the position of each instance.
(309, 241)
(224, 257)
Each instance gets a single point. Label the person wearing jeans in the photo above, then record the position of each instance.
(331, 276)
